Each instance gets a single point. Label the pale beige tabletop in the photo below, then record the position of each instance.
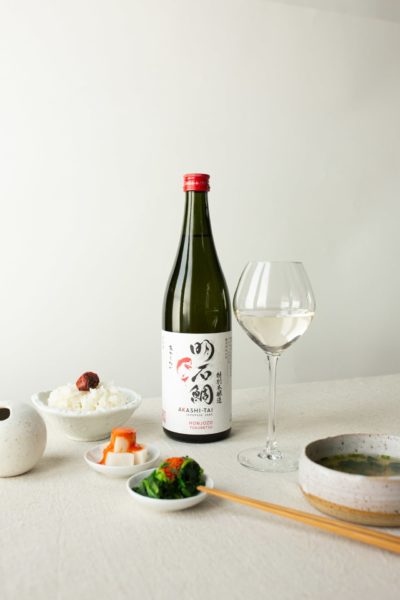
(67, 532)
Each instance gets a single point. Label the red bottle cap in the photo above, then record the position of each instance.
(196, 182)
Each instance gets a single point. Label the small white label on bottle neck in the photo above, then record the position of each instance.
(196, 382)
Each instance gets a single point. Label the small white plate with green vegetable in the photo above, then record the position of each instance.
(170, 487)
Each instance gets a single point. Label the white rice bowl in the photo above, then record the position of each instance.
(104, 397)
(87, 416)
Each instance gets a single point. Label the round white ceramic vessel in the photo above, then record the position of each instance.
(22, 438)
(87, 426)
(363, 499)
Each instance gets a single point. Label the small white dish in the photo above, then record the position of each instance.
(94, 455)
(87, 426)
(164, 505)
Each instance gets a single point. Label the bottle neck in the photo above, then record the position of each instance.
(196, 221)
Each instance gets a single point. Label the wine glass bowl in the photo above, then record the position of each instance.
(274, 304)
(274, 330)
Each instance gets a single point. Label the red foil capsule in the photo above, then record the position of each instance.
(196, 182)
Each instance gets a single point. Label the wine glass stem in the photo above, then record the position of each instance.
(271, 442)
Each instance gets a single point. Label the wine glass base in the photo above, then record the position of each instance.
(259, 459)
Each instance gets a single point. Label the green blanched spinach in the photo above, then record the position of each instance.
(176, 478)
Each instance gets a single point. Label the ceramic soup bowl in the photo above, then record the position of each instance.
(359, 498)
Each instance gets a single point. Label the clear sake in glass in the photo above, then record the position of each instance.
(274, 303)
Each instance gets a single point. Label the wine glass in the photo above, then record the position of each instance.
(274, 303)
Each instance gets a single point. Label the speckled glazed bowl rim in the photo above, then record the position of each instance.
(349, 476)
(367, 499)
(131, 405)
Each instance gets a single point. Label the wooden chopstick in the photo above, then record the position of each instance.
(386, 541)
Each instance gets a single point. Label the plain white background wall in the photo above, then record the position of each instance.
(104, 105)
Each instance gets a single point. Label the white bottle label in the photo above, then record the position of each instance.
(196, 382)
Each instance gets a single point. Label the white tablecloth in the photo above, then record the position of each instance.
(67, 532)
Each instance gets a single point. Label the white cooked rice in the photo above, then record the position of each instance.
(104, 397)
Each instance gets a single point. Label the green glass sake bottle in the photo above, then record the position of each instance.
(196, 336)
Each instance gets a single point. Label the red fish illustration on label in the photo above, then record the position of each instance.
(183, 367)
